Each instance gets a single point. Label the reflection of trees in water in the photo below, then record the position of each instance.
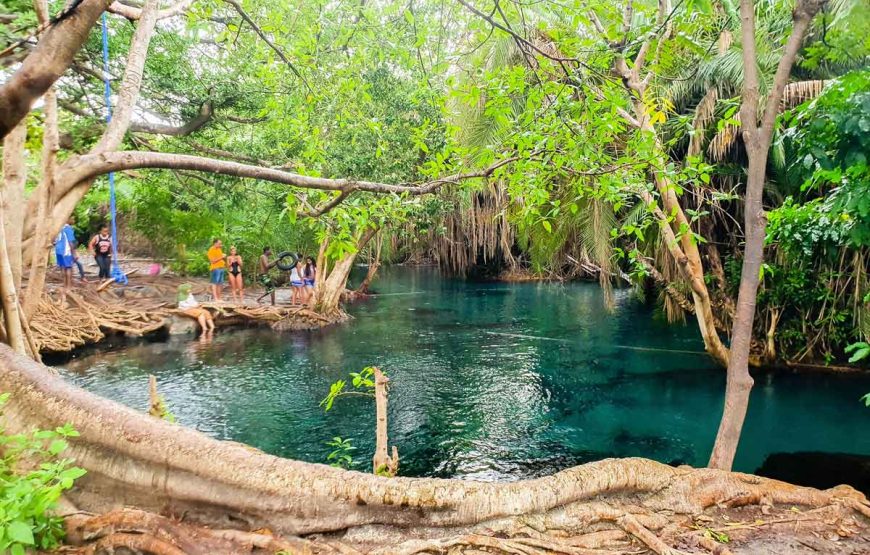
(549, 389)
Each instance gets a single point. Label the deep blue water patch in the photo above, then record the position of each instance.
(489, 381)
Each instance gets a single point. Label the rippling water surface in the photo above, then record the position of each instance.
(490, 381)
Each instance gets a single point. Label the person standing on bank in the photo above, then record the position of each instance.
(73, 242)
(309, 275)
(263, 267)
(63, 252)
(237, 283)
(217, 265)
(101, 247)
(297, 287)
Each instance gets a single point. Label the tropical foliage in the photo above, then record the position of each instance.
(33, 476)
(408, 93)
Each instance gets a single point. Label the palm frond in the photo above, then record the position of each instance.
(800, 92)
(704, 112)
(595, 225)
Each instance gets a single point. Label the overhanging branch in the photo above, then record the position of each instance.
(205, 114)
(91, 166)
(315, 212)
(48, 61)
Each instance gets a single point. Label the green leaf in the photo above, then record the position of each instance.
(860, 354)
(20, 532)
(57, 446)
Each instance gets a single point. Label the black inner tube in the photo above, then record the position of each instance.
(286, 260)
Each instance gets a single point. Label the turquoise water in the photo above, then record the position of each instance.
(489, 381)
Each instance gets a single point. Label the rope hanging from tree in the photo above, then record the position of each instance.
(118, 275)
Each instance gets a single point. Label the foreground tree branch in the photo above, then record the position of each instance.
(48, 61)
(205, 114)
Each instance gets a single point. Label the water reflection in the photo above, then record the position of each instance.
(494, 382)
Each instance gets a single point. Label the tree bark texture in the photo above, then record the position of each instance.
(14, 178)
(8, 293)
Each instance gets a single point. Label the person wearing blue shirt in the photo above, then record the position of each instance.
(64, 252)
(74, 244)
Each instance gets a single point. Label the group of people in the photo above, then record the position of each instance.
(303, 275)
(65, 250)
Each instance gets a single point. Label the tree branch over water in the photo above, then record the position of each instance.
(90, 166)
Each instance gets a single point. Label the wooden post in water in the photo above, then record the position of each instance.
(382, 463)
(155, 406)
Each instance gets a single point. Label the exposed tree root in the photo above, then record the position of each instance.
(631, 525)
(135, 460)
(88, 316)
(137, 543)
(149, 533)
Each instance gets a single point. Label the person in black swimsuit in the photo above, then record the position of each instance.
(101, 247)
(237, 283)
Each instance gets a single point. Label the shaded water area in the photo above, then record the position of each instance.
(489, 381)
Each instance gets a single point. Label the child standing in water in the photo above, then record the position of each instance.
(237, 283)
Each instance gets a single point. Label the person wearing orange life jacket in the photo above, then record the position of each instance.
(101, 247)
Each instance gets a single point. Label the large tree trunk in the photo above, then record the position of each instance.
(328, 295)
(14, 177)
(135, 460)
(739, 382)
(8, 293)
(42, 237)
(48, 61)
(757, 140)
(374, 264)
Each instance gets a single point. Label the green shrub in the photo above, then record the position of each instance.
(190, 262)
(32, 478)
